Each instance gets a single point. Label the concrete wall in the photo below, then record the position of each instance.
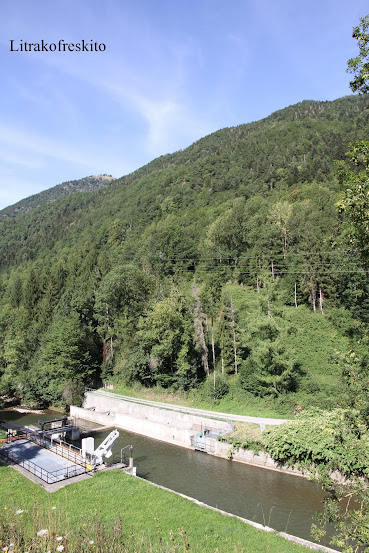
(103, 404)
(222, 449)
(169, 426)
(166, 432)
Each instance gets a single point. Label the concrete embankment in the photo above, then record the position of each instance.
(169, 426)
(162, 424)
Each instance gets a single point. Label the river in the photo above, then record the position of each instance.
(284, 502)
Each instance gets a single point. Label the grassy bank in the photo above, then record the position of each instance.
(237, 402)
(113, 506)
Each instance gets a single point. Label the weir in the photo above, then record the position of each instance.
(156, 422)
(173, 427)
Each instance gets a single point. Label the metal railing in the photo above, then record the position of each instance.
(117, 458)
(64, 449)
(202, 444)
(8, 439)
(50, 477)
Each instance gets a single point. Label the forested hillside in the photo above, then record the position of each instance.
(63, 189)
(230, 256)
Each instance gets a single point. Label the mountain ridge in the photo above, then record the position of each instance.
(93, 182)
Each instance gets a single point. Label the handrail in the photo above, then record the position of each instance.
(59, 449)
(50, 477)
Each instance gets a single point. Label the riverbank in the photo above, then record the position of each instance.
(177, 425)
(148, 515)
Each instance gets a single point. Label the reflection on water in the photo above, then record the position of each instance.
(286, 503)
(26, 419)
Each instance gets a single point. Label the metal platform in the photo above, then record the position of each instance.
(41, 462)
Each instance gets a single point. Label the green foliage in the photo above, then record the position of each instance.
(355, 372)
(272, 366)
(64, 360)
(323, 439)
(164, 340)
(244, 436)
(355, 204)
(347, 506)
(348, 511)
(121, 297)
(359, 66)
(217, 388)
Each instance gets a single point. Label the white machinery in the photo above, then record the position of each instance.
(104, 449)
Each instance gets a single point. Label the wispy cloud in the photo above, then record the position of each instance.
(158, 95)
(32, 143)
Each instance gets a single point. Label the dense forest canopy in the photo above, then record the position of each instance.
(229, 256)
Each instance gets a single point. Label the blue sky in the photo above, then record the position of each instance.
(172, 72)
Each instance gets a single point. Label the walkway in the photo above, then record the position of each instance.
(190, 410)
(43, 463)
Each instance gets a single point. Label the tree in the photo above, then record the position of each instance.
(64, 359)
(351, 524)
(272, 367)
(359, 66)
(121, 299)
(280, 215)
(226, 341)
(165, 337)
(210, 296)
(15, 357)
(347, 506)
(355, 204)
(15, 291)
(31, 291)
(199, 336)
(229, 338)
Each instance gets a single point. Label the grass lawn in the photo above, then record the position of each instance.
(148, 516)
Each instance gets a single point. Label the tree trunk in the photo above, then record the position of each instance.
(233, 323)
(313, 299)
(212, 341)
(204, 352)
(104, 351)
(284, 245)
(321, 300)
(199, 330)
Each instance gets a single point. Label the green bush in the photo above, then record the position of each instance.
(323, 439)
(217, 391)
